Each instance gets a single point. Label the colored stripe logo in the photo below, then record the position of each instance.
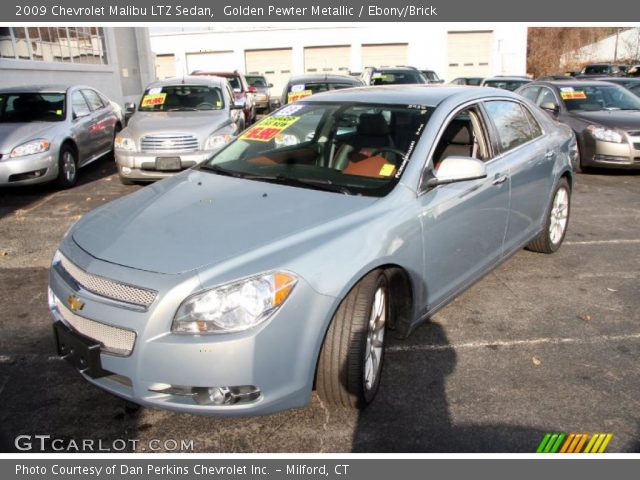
(574, 443)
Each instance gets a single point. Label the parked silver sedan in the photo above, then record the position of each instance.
(281, 263)
(48, 132)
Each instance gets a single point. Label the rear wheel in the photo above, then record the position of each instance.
(350, 363)
(67, 167)
(552, 236)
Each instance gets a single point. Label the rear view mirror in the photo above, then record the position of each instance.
(550, 107)
(458, 169)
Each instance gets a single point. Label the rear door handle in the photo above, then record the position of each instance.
(498, 179)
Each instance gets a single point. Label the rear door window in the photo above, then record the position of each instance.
(511, 123)
(94, 101)
(80, 107)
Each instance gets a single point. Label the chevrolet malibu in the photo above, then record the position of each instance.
(281, 264)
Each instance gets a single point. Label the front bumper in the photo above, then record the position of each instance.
(278, 357)
(28, 170)
(139, 166)
(624, 155)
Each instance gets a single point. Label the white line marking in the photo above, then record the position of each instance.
(604, 242)
(515, 343)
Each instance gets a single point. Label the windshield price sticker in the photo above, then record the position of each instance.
(293, 96)
(297, 88)
(154, 91)
(288, 110)
(566, 89)
(575, 95)
(154, 99)
(268, 128)
(387, 170)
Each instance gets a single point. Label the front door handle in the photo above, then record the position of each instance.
(499, 178)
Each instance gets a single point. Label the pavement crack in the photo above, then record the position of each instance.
(325, 425)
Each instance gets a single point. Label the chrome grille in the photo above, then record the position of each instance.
(117, 341)
(108, 288)
(170, 142)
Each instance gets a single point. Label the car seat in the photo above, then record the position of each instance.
(372, 134)
(456, 140)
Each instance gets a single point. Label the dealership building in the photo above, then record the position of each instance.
(116, 61)
(279, 51)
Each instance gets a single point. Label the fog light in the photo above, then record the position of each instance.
(125, 170)
(211, 395)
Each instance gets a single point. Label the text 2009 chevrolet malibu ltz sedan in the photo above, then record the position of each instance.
(279, 265)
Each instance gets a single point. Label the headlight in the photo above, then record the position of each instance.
(215, 141)
(125, 143)
(235, 306)
(29, 148)
(605, 134)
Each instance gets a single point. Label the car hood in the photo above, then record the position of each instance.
(197, 219)
(200, 124)
(14, 134)
(621, 119)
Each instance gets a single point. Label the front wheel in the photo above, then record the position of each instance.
(67, 167)
(557, 219)
(350, 363)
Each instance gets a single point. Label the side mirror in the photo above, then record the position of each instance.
(550, 107)
(129, 108)
(270, 85)
(458, 169)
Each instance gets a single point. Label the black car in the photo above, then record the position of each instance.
(301, 86)
(630, 83)
(431, 76)
(602, 69)
(392, 76)
(605, 118)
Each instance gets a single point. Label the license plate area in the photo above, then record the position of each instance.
(81, 351)
(168, 163)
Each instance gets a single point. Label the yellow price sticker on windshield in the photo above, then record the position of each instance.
(58, 112)
(387, 170)
(155, 99)
(576, 95)
(268, 128)
(294, 96)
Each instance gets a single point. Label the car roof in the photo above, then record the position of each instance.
(205, 73)
(53, 88)
(429, 95)
(189, 80)
(505, 78)
(315, 77)
(577, 82)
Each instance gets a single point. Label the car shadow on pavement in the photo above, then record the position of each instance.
(412, 414)
(14, 199)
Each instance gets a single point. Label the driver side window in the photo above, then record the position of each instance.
(463, 136)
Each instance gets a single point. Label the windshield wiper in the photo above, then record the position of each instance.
(183, 109)
(325, 185)
(221, 171)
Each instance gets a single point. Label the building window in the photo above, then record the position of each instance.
(84, 45)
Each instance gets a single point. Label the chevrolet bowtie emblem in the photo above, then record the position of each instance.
(75, 303)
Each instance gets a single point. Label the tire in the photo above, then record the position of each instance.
(67, 167)
(551, 237)
(352, 355)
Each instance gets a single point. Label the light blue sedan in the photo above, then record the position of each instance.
(280, 264)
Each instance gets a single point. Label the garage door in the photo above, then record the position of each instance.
(165, 66)
(211, 61)
(385, 55)
(334, 59)
(469, 54)
(275, 64)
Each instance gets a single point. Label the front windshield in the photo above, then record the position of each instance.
(510, 85)
(298, 91)
(601, 97)
(359, 149)
(597, 69)
(25, 107)
(258, 82)
(170, 98)
(397, 77)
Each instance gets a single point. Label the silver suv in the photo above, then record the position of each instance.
(48, 132)
(178, 123)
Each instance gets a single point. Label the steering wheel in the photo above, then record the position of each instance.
(206, 105)
(397, 151)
